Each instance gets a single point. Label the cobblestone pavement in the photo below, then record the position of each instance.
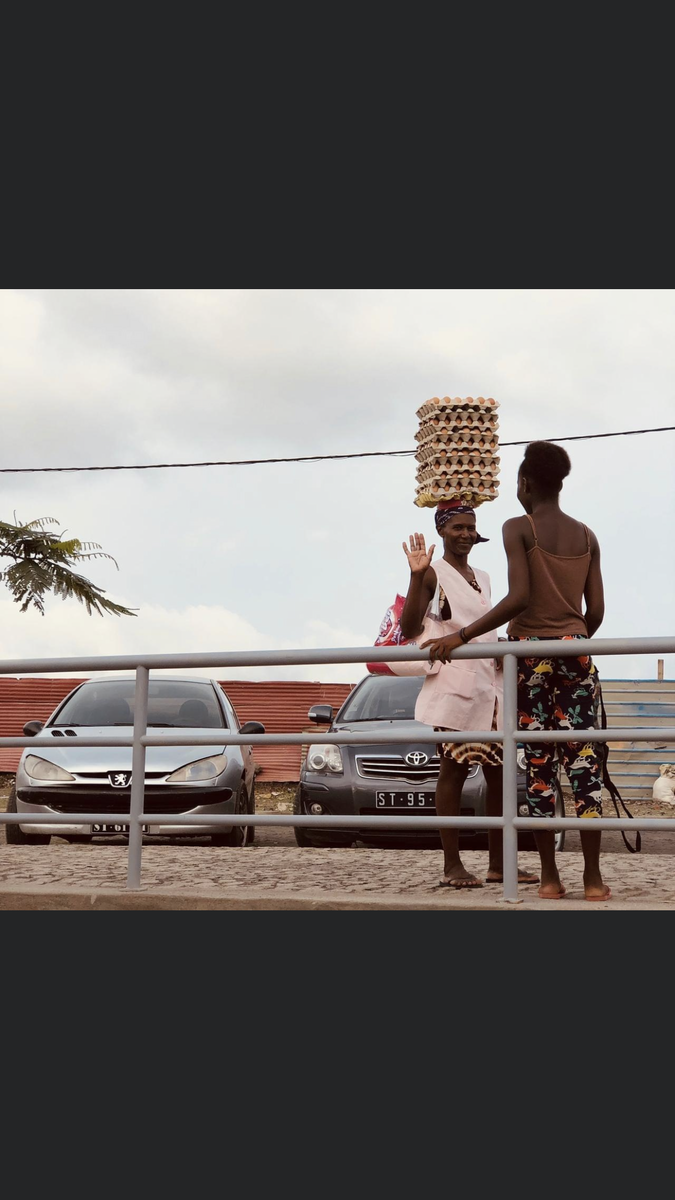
(276, 874)
(62, 876)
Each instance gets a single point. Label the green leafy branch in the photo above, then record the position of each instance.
(43, 564)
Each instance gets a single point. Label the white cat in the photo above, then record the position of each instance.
(664, 786)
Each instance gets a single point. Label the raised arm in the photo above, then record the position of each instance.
(594, 592)
(422, 585)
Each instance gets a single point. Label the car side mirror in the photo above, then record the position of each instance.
(33, 728)
(252, 727)
(321, 714)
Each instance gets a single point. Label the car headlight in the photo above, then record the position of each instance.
(325, 758)
(41, 768)
(520, 759)
(204, 768)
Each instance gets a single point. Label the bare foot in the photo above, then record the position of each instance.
(594, 888)
(552, 889)
(603, 893)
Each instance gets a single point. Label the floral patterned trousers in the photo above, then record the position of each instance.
(560, 693)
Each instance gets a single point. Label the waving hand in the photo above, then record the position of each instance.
(418, 556)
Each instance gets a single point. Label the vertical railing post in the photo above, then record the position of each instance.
(510, 779)
(137, 777)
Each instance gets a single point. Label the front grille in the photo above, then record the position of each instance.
(394, 766)
(117, 802)
(101, 777)
(108, 804)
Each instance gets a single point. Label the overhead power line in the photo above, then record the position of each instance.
(259, 462)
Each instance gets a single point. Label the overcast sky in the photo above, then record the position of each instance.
(309, 555)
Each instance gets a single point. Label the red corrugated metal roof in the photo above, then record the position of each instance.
(281, 705)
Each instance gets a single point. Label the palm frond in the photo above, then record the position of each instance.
(98, 554)
(28, 581)
(69, 585)
(42, 565)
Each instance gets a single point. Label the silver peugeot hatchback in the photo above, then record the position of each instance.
(205, 780)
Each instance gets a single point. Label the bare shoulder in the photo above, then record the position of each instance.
(516, 523)
(515, 529)
(592, 539)
(577, 525)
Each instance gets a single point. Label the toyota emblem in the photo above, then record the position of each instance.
(416, 758)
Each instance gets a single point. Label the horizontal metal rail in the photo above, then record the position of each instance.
(342, 822)
(338, 822)
(353, 654)
(221, 738)
(509, 822)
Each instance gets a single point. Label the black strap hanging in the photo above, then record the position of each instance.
(609, 783)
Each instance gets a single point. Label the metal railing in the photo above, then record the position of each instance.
(510, 823)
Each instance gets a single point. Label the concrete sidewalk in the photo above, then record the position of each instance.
(61, 877)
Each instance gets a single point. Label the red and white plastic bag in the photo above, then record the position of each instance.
(390, 634)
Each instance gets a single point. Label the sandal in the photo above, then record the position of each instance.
(463, 881)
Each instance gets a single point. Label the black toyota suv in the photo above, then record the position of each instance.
(378, 779)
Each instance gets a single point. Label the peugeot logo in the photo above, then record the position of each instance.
(119, 778)
(417, 758)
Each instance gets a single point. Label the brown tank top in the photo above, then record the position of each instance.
(557, 585)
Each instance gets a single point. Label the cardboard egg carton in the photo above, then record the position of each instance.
(449, 426)
(467, 442)
(461, 455)
(456, 405)
(458, 479)
(457, 451)
(454, 477)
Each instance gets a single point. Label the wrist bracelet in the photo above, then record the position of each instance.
(462, 634)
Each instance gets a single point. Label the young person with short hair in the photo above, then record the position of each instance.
(555, 591)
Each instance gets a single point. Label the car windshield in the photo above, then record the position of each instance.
(171, 705)
(383, 698)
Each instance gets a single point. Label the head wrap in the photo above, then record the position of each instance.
(450, 508)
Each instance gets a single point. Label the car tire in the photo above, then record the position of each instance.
(559, 812)
(301, 836)
(251, 809)
(14, 833)
(238, 837)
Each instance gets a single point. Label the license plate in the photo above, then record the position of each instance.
(405, 800)
(115, 829)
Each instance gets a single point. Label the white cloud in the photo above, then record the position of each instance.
(66, 631)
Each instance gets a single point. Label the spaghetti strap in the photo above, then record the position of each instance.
(588, 540)
(534, 531)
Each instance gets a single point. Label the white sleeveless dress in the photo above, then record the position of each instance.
(466, 693)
